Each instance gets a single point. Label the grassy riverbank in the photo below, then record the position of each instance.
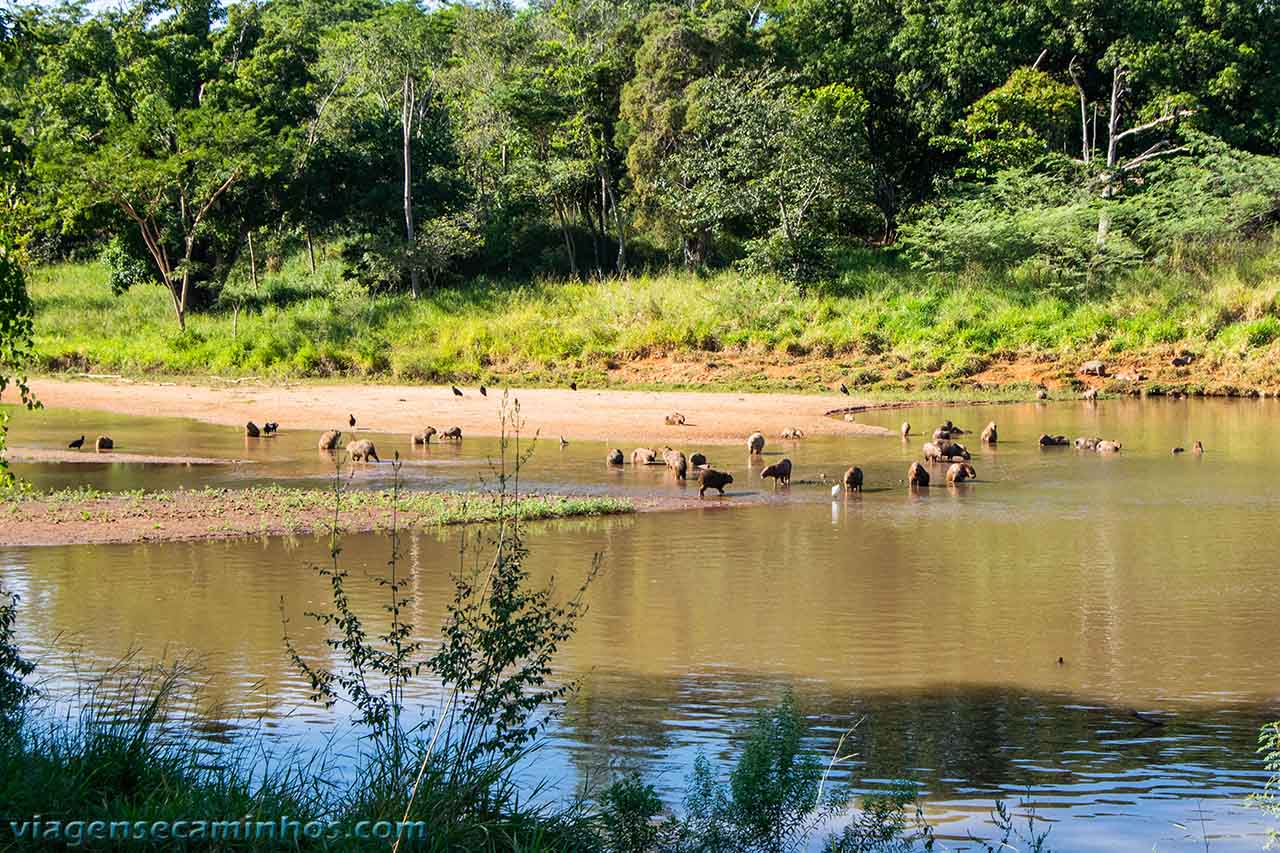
(82, 515)
(880, 328)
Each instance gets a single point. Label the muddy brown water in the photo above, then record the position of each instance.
(935, 620)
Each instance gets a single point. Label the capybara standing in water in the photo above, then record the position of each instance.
(103, 442)
(917, 475)
(329, 439)
(755, 443)
(906, 429)
(251, 430)
(362, 451)
(853, 479)
(615, 457)
(1107, 447)
(675, 419)
(779, 471)
(678, 464)
(989, 435)
(1053, 440)
(698, 460)
(713, 479)
(424, 438)
(643, 456)
(961, 471)
(793, 433)
(452, 434)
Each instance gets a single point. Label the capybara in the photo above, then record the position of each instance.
(643, 456)
(1053, 440)
(945, 450)
(713, 479)
(452, 434)
(755, 443)
(1197, 448)
(615, 457)
(779, 471)
(990, 435)
(906, 429)
(251, 430)
(329, 439)
(942, 434)
(362, 451)
(1042, 394)
(917, 475)
(1093, 368)
(698, 460)
(103, 442)
(1086, 443)
(932, 453)
(793, 432)
(961, 471)
(853, 479)
(1090, 394)
(1108, 447)
(678, 464)
(675, 419)
(424, 437)
(270, 428)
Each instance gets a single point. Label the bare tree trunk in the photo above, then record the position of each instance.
(617, 223)
(253, 263)
(311, 252)
(1113, 120)
(568, 240)
(407, 102)
(1084, 111)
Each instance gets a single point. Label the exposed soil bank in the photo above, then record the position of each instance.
(76, 517)
(619, 417)
(91, 457)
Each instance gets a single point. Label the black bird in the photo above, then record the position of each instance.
(456, 392)
(573, 386)
(844, 389)
(483, 393)
(77, 444)
(351, 419)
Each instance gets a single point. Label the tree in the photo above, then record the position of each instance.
(1016, 124)
(16, 312)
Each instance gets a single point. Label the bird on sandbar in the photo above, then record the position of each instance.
(77, 444)
(456, 391)
(351, 421)
(573, 386)
(844, 389)
(563, 443)
(483, 391)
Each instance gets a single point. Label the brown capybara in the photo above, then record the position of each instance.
(675, 419)
(990, 435)
(698, 460)
(424, 438)
(755, 443)
(251, 430)
(362, 451)
(1086, 443)
(615, 457)
(1108, 447)
(917, 475)
(1053, 440)
(1197, 448)
(793, 433)
(678, 464)
(329, 439)
(452, 434)
(713, 479)
(942, 434)
(853, 479)
(1090, 394)
(945, 451)
(906, 429)
(779, 471)
(1042, 394)
(643, 456)
(103, 442)
(932, 453)
(961, 471)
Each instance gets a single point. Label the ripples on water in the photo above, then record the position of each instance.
(936, 620)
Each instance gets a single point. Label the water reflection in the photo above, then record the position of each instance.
(936, 617)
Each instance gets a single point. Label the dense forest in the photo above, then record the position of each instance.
(1065, 140)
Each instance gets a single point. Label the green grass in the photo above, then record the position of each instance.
(880, 326)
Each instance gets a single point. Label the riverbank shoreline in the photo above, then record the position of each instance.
(90, 517)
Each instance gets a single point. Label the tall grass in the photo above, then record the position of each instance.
(879, 313)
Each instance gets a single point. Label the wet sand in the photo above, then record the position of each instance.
(619, 417)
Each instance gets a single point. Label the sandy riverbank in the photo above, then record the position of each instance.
(620, 417)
